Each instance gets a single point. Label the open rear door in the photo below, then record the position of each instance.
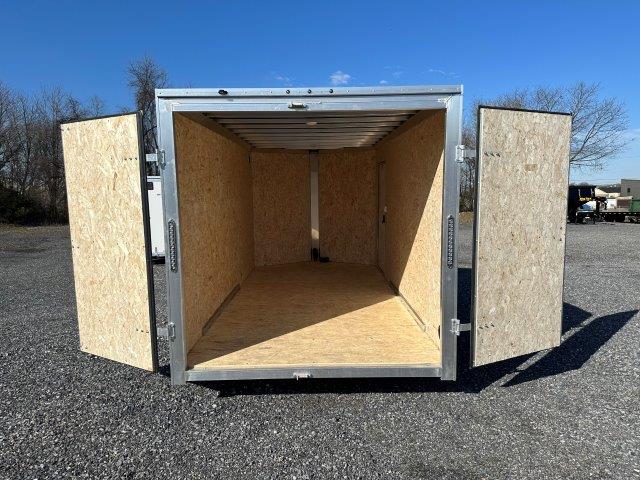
(108, 217)
(519, 232)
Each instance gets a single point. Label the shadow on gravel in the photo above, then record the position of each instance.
(576, 350)
(570, 355)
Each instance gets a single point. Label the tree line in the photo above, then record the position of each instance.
(31, 167)
(32, 181)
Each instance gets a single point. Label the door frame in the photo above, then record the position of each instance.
(447, 98)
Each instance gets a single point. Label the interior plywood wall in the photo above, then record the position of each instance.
(347, 184)
(216, 220)
(414, 165)
(281, 206)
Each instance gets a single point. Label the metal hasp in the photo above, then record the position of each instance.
(353, 118)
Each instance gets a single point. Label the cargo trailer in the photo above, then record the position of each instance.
(312, 232)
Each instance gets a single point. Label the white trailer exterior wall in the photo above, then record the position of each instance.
(156, 217)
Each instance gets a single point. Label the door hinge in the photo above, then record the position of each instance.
(460, 153)
(161, 157)
(457, 327)
(171, 331)
(168, 332)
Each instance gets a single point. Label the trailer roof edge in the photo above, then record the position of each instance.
(309, 91)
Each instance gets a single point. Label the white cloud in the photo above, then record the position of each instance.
(443, 72)
(383, 82)
(339, 78)
(286, 81)
(396, 71)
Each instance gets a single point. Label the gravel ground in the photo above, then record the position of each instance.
(573, 412)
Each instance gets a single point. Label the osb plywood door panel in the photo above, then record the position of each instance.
(216, 220)
(102, 169)
(281, 216)
(347, 186)
(414, 165)
(521, 221)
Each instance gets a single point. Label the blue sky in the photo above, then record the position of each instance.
(489, 47)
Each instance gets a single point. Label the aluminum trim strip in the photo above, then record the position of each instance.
(397, 371)
(315, 91)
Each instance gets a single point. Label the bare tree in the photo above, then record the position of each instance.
(597, 132)
(7, 132)
(31, 161)
(95, 107)
(22, 171)
(53, 107)
(145, 75)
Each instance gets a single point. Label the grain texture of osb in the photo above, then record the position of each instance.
(216, 220)
(521, 222)
(102, 169)
(314, 314)
(414, 166)
(281, 216)
(347, 184)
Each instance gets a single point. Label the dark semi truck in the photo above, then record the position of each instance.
(579, 195)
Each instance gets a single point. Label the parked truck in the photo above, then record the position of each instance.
(630, 208)
(580, 195)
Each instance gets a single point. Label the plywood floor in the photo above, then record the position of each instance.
(314, 314)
